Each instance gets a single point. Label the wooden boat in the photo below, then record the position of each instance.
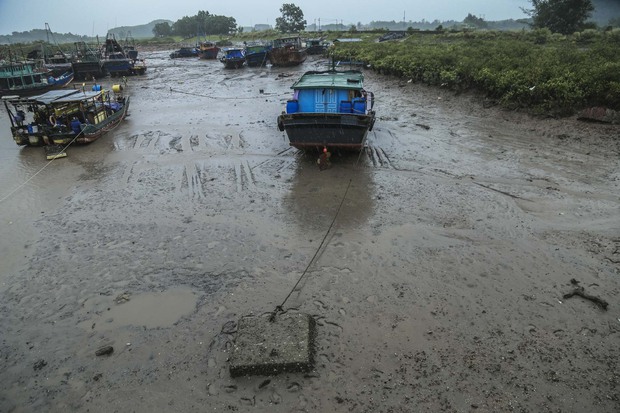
(329, 109)
(256, 54)
(287, 51)
(62, 117)
(23, 79)
(184, 51)
(232, 57)
(208, 50)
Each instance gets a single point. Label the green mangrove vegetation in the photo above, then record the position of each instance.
(533, 70)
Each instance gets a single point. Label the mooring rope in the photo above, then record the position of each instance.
(227, 97)
(23, 184)
(280, 308)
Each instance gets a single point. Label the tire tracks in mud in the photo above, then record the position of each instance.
(225, 162)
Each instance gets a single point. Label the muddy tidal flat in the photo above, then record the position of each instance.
(440, 287)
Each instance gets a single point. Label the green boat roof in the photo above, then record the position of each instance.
(349, 79)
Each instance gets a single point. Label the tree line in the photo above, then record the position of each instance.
(202, 24)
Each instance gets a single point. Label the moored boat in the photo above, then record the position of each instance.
(23, 79)
(62, 117)
(113, 57)
(185, 51)
(232, 57)
(287, 51)
(208, 50)
(129, 46)
(316, 46)
(87, 62)
(329, 109)
(256, 54)
(116, 62)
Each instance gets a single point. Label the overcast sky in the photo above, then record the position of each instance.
(89, 17)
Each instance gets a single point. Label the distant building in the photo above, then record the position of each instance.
(261, 27)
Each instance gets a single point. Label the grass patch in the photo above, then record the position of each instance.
(533, 70)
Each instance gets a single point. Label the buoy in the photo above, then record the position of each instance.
(117, 88)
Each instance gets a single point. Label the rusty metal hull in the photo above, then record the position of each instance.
(284, 56)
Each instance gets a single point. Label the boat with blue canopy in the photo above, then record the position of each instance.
(328, 109)
(63, 117)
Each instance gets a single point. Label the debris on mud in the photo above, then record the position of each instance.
(39, 364)
(104, 351)
(122, 298)
(580, 291)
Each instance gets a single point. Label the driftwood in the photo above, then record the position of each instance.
(579, 290)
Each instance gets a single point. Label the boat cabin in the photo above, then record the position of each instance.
(329, 92)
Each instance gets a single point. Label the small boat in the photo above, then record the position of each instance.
(129, 46)
(185, 51)
(232, 57)
(116, 61)
(62, 117)
(316, 46)
(256, 54)
(23, 79)
(287, 51)
(329, 109)
(87, 62)
(113, 58)
(208, 50)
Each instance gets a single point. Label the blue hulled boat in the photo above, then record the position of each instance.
(329, 109)
(232, 57)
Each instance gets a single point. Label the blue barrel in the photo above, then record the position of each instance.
(76, 126)
(359, 106)
(292, 106)
(345, 106)
(30, 129)
(96, 88)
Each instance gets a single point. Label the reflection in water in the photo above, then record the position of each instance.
(315, 195)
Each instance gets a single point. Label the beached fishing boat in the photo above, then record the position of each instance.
(287, 51)
(116, 62)
(23, 79)
(63, 117)
(185, 51)
(329, 109)
(87, 62)
(316, 46)
(256, 54)
(232, 57)
(129, 46)
(208, 50)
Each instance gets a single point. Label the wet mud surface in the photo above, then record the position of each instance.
(439, 288)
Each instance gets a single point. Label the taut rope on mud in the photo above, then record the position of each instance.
(280, 308)
(224, 97)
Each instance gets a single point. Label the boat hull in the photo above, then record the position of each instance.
(235, 63)
(256, 59)
(209, 54)
(331, 130)
(88, 70)
(284, 56)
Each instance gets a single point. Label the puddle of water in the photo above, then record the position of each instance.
(150, 310)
